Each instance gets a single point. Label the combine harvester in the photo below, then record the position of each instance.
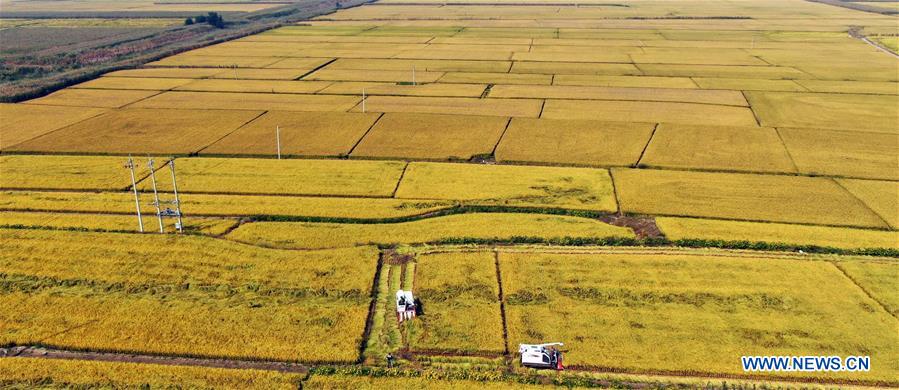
(541, 356)
(405, 305)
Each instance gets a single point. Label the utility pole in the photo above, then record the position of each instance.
(155, 194)
(130, 166)
(413, 74)
(180, 225)
(278, 139)
(363, 100)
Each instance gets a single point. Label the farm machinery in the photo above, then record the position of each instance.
(405, 305)
(541, 356)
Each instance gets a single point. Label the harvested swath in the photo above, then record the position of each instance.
(301, 133)
(431, 136)
(135, 83)
(455, 106)
(254, 86)
(462, 304)
(187, 73)
(843, 153)
(393, 89)
(22, 122)
(576, 142)
(490, 226)
(373, 382)
(189, 60)
(792, 199)
(875, 87)
(249, 101)
(177, 295)
(288, 177)
(383, 75)
(880, 196)
(730, 98)
(223, 205)
(101, 222)
(64, 172)
(712, 229)
(142, 131)
(574, 68)
(101, 98)
(748, 84)
(752, 149)
(496, 78)
(746, 72)
(690, 312)
(420, 65)
(878, 278)
(574, 188)
(35, 372)
(624, 81)
(664, 112)
(826, 111)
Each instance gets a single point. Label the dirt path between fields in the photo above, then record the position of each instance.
(855, 32)
(50, 353)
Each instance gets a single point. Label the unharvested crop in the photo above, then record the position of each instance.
(879, 278)
(183, 295)
(102, 222)
(285, 177)
(383, 75)
(880, 196)
(826, 111)
(664, 112)
(455, 106)
(576, 142)
(137, 83)
(843, 153)
(100, 98)
(393, 89)
(63, 373)
(64, 172)
(22, 122)
(740, 196)
(431, 136)
(479, 227)
(301, 133)
(711, 229)
(141, 131)
(254, 86)
(575, 188)
(753, 149)
(657, 311)
(496, 78)
(249, 101)
(728, 98)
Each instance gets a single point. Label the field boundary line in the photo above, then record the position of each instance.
(502, 302)
(645, 147)
(316, 69)
(786, 149)
(618, 210)
(863, 203)
(400, 180)
(842, 271)
(359, 141)
(107, 110)
(500, 139)
(197, 152)
(139, 100)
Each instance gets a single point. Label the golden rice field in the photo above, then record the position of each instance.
(410, 130)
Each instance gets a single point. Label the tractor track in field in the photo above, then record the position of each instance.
(53, 353)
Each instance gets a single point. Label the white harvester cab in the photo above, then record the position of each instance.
(405, 305)
(541, 356)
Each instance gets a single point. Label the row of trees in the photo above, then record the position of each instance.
(212, 18)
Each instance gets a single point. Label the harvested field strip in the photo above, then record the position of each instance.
(112, 223)
(574, 188)
(22, 122)
(824, 236)
(36, 372)
(100, 98)
(727, 98)
(207, 295)
(134, 83)
(662, 112)
(249, 101)
(484, 227)
(142, 131)
(736, 196)
(747, 304)
(284, 207)
(288, 177)
(456, 106)
(462, 312)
